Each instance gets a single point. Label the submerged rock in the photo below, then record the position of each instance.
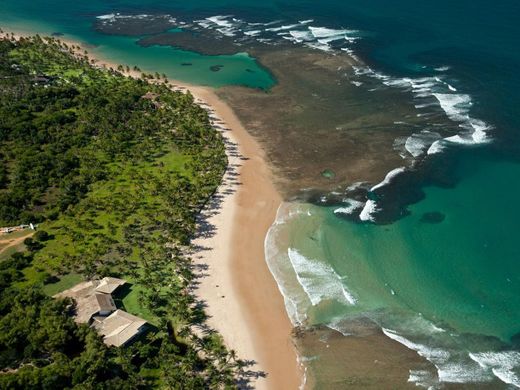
(216, 68)
(433, 217)
(328, 173)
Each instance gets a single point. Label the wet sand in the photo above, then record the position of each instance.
(313, 120)
(241, 297)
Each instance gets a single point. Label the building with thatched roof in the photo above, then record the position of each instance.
(119, 328)
(108, 285)
(95, 306)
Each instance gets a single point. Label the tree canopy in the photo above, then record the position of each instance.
(114, 169)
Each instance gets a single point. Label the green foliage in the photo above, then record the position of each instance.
(114, 170)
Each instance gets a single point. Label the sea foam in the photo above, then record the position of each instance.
(369, 209)
(388, 178)
(450, 368)
(319, 280)
(350, 207)
(501, 364)
(417, 144)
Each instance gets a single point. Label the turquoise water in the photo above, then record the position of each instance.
(445, 279)
(467, 282)
(450, 290)
(77, 23)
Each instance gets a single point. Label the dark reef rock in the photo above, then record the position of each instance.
(433, 217)
(134, 25)
(200, 42)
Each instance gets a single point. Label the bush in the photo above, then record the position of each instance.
(41, 235)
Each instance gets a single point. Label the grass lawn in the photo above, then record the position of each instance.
(65, 282)
(131, 302)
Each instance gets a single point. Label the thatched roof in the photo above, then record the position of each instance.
(92, 297)
(108, 284)
(91, 305)
(120, 327)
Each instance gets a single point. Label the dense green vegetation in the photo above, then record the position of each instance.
(114, 170)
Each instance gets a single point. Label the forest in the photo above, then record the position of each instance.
(113, 170)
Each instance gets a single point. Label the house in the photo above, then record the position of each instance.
(91, 301)
(119, 328)
(108, 285)
(96, 307)
(91, 305)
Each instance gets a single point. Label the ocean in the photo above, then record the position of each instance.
(428, 255)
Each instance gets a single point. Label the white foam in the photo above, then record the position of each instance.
(282, 28)
(369, 209)
(253, 33)
(461, 373)
(330, 33)
(450, 368)
(434, 355)
(421, 378)
(455, 106)
(301, 36)
(279, 266)
(501, 364)
(352, 206)
(319, 280)
(388, 178)
(224, 24)
(436, 147)
(355, 186)
(318, 46)
(418, 143)
(220, 20)
(480, 129)
(107, 17)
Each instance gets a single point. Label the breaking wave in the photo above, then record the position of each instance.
(304, 282)
(452, 366)
(502, 364)
(319, 281)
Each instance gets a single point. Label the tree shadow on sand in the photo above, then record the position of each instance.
(207, 230)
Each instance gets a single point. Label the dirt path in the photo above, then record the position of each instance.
(10, 242)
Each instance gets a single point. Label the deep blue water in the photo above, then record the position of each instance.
(477, 39)
(475, 46)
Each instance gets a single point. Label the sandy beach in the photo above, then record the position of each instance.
(243, 300)
(241, 296)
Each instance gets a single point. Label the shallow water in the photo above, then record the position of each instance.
(438, 270)
(418, 278)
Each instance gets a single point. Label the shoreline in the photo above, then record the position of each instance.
(239, 288)
(237, 285)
